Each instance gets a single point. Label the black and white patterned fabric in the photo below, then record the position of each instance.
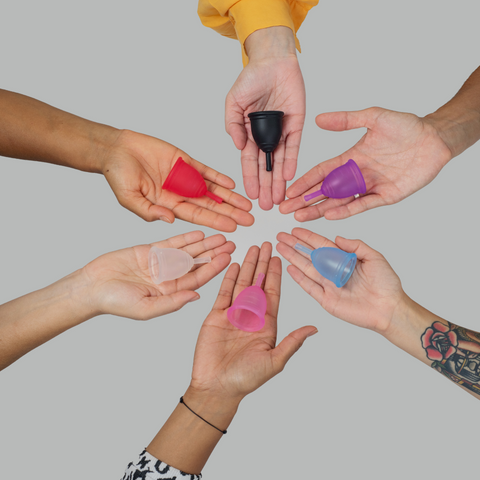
(150, 468)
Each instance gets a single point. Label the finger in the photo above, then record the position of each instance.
(263, 261)
(249, 159)
(201, 216)
(312, 212)
(144, 208)
(199, 277)
(361, 249)
(224, 298)
(234, 122)
(198, 248)
(162, 305)
(298, 203)
(314, 176)
(211, 174)
(265, 200)
(313, 239)
(180, 241)
(228, 247)
(282, 353)
(272, 290)
(314, 289)
(249, 265)
(292, 147)
(340, 121)
(279, 184)
(361, 204)
(229, 198)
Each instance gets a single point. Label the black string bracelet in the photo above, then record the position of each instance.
(216, 428)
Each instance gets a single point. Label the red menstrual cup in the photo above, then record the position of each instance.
(345, 181)
(248, 310)
(184, 180)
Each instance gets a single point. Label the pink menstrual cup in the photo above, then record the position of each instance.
(248, 310)
(345, 181)
(184, 180)
(169, 263)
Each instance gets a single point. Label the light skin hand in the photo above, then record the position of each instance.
(136, 166)
(399, 154)
(371, 296)
(228, 365)
(271, 81)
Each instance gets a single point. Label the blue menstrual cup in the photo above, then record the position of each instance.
(332, 263)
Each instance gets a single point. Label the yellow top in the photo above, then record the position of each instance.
(239, 18)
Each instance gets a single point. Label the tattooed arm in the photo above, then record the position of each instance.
(373, 298)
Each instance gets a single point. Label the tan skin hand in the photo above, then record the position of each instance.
(399, 154)
(136, 167)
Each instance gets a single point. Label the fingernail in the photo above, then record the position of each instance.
(194, 299)
(165, 219)
(312, 333)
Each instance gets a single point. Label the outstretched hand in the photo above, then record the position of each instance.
(229, 362)
(269, 84)
(120, 284)
(370, 297)
(399, 155)
(136, 167)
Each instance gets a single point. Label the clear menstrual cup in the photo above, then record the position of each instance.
(184, 180)
(169, 263)
(248, 310)
(332, 263)
(345, 181)
(266, 131)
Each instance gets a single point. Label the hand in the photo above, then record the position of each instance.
(136, 167)
(230, 363)
(399, 154)
(371, 296)
(271, 81)
(120, 283)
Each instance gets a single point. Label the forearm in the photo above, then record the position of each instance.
(270, 43)
(458, 121)
(31, 320)
(446, 347)
(185, 441)
(33, 130)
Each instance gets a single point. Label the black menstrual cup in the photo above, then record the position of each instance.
(266, 131)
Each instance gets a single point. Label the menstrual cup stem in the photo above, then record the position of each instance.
(260, 278)
(303, 249)
(196, 261)
(214, 197)
(268, 156)
(308, 197)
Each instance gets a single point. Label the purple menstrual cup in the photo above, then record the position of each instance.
(248, 310)
(345, 181)
(332, 263)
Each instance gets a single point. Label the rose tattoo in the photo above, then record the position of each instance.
(439, 342)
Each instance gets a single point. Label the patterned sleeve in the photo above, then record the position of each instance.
(150, 468)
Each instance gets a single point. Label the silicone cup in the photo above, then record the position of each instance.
(248, 310)
(184, 180)
(332, 263)
(169, 263)
(345, 181)
(266, 131)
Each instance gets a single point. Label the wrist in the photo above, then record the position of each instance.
(271, 42)
(102, 140)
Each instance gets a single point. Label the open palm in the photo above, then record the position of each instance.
(229, 361)
(399, 155)
(370, 296)
(136, 168)
(120, 282)
(275, 84)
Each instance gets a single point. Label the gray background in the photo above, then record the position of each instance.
(348, 404)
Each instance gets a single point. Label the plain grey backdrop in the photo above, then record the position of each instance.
(348, 404)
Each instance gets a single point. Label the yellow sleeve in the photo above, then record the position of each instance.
(239, 18)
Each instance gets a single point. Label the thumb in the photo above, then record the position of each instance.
(340, 121)
(282, 353)
(235, 123)
(145, 209)
(158, 306)
(361, 249)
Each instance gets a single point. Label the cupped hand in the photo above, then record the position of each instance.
(120, 284)
(399, 155)
(136, 167)
(269, 84)
(370, 297)
(232, 363)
